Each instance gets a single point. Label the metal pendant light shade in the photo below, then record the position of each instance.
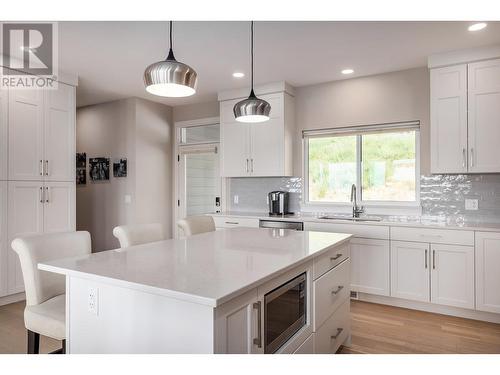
(170, 78)
(252, 109)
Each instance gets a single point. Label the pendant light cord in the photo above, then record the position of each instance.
(252, 94)
(170, 52)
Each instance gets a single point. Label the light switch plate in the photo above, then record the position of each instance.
(236, 199)
(128, 199)
(472, 204)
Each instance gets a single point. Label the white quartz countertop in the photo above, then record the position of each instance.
(387, 220)
(209, 268)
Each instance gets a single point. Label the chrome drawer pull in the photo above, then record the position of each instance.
(338, 289)
(335, 257)
(232, 222)
(339, 331)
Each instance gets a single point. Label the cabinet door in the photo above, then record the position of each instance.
(449, 119)
(59, 207)
(3, 238)
(25, 216)
(410, 276)
(59, 134)
(235, 158)
(484, 116)
(487, 275)
(3, 133)
(452, 275)
(25, 134)
(370, 266)
(237, 323)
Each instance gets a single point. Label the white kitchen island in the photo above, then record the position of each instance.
(206, 293)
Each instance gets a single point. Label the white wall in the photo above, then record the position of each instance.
(140, 131)
(196, 111)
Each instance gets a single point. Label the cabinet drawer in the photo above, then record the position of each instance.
(307, 347)
(447, 236)
(330, 291)
(334, 332)
(231, 222)
(358, 230)
(329, 260)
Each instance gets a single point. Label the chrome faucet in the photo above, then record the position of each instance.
(356, 210)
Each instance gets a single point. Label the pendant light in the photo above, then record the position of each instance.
(252, 109)
(170, 78)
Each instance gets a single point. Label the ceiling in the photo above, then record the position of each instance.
(110, 57)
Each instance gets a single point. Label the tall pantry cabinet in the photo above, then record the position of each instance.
(37, 170)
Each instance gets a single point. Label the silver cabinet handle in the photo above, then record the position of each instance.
(464, 158)
(472, 156)
(337, 256)
(40, 168)
(231, 222)
(251, 165)
(339, 331)
(334, 292)
(426, 258)
(433, 259)
(46, 167)
(247, 165)
(46, 195)
(41, 194)
(258, 340)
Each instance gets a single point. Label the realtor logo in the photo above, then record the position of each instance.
(29, 56)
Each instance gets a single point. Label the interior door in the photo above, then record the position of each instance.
(25, 217)
(484, 116)
(449, 119)
(59, 207)
(199, 180)
(59, 134)
(370, 268)
(3, 133)
(410, 276)
(452, 275)
(25, 134)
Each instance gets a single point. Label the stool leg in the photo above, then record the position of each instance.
(63, 347)
(33, 342)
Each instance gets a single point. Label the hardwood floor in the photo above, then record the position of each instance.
(393, 330)
(375, 329)
(13, 334)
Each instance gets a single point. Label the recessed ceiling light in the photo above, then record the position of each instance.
(477, 26)
(238, 75)
(347, 71)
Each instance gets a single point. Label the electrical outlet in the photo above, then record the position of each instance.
(472, 204)
(93, 301)
(128, 199)
(236, 199)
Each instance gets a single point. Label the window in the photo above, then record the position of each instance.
(199, 134)
(380, 160)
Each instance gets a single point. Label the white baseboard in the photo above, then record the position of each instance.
(430, 307)
(12, 298)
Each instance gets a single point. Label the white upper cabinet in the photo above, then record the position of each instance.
(59, 134)
(41, 128)
(487, 275)
(452, 275)
(25, 134)
(3, 238)
(465, 118)
(4, 105)
(260, 149)
(449, 119)
(484, 116)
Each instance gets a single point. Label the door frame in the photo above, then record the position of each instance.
(178, 125)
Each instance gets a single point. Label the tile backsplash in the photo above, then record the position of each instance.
(440, 195)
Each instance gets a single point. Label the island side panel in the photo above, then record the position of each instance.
(125, 320)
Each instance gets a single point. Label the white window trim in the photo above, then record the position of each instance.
(375, 207)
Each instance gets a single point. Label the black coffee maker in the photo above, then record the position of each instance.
(278, 203)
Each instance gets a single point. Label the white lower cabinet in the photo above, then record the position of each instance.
(410, 277)
(232, 222)
(452, 275)
(487, 272)
(36, 207)
(237, 324)
(334, 332)
(370, 266)
(3, 238)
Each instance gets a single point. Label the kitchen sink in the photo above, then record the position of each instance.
(351, 218)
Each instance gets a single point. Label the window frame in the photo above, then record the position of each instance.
(414, 206)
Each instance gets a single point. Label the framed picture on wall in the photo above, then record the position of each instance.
(81, 168)
(120, 168)
(99, 169)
